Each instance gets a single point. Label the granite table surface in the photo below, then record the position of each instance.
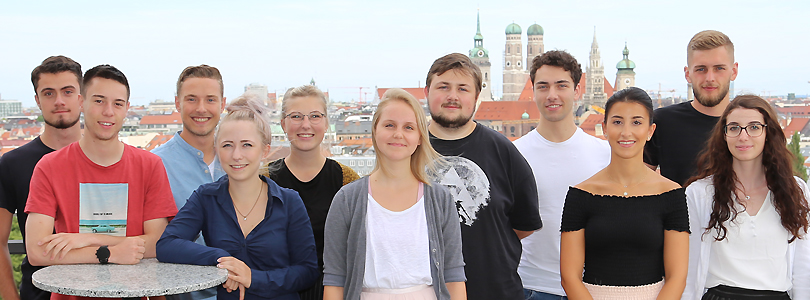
(147, 278)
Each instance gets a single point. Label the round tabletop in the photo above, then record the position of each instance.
(147, 278)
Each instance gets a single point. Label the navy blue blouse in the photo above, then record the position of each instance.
(280, 250)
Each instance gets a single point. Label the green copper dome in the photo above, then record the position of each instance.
(535, 30)
(625, 63)
(525, 115)
(513, 29)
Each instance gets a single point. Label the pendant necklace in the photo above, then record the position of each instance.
(626, 187)
(244, 217)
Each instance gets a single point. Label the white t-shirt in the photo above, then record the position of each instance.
(397, 247)
(556, 166)
(754, 254)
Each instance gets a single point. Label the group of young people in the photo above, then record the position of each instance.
(452, 208)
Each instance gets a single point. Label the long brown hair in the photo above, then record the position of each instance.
(716, 160)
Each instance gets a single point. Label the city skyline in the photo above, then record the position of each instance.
(350, 44)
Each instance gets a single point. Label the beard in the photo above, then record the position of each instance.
(61, 123)
(708, 101)
(451, 123)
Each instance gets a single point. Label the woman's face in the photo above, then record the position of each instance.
(745, 144)
(305, 132)
(397, 133)
(240, 150)
(628, 128)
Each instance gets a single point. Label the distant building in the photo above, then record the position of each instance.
(480, 57)
(595, 94)
(168, 124)
(625, 76)
(160, 107)
(259, 90)
(10, 108)
(513, 119)
(363, 165)
(353, 128)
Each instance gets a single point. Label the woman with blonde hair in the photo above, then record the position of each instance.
(255, 229)
(306, 170)
(748, 212)
(394, 234)
(627, 226)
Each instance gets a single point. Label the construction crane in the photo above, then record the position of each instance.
(359, 91)
(658, 93)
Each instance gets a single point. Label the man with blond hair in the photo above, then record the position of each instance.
(189, 155)
(682, 129)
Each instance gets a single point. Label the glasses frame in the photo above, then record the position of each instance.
(726, 132)
(316, 122)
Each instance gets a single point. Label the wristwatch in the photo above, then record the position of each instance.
(103, 255)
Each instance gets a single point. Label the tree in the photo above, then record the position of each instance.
(798, 159)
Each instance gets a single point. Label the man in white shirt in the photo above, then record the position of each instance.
(561, 155)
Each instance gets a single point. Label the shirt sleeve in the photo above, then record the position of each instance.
(451, 235)
(159, 201)
(677, 215)
(303, 269)
(177, 245)
(525, 213)
(336, 235)
(574, 216)
(6, 199)
(801, 258)
(41, 198)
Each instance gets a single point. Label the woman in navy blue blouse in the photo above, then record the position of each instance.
(255, 229)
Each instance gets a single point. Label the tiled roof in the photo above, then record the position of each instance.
(589, 125)
(528, 91)
(13, 143)
(174, 118)
(158, 140)
(418, 93)
(506, 110)
(794, 111)
(796, 124)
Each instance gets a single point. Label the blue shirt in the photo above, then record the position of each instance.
(186, 168)
(280, 250)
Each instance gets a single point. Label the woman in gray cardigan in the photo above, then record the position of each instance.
(394, 235)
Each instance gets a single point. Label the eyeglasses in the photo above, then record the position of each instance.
(753, 129)
(314, 117)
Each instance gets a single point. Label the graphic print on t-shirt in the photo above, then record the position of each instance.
(469, 185)
(103, 208)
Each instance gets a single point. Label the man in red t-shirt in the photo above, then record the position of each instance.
(107, 202)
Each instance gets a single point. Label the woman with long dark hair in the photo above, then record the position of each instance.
(627, 225)
(748, 212)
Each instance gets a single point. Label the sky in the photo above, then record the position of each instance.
(345, 45)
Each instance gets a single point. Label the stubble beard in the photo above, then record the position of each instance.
(712, 102)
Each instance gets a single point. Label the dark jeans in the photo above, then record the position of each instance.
(535, 295)
(722, 292)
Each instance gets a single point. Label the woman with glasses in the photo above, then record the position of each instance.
(627, 226)
(306, 170)
(748, 212)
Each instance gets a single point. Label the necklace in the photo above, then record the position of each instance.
(244, 217)
(626, 187)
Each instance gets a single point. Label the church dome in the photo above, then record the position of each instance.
(625, 63)
(525, 115)
(513, 29)
(535, 30)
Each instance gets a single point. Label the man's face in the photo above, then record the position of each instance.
(710, 72)
(105, 108)
(451, 99)
(200, 103)
(59, 100)
(555, 92)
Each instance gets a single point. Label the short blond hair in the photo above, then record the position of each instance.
(424, 157)
(302, 91)
(708, 40)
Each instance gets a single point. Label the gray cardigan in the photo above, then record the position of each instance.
(344, 254)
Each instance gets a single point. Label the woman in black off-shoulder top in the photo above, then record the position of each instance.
(627, 226)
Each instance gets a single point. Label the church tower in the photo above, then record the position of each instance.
(625, 76)
(480, 57)
(594, 84)
(535, 45)
(513, 73)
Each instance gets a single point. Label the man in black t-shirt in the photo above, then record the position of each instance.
(57, 93)
(493, 185)
(683, 129)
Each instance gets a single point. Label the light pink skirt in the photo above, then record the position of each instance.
(419, 292)
(608, 292)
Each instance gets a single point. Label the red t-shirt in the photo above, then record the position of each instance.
(84, 197)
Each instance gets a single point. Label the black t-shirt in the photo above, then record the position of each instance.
(495, 192)
(680, 134)
(624, 236)
(317, 194)
(16, 168)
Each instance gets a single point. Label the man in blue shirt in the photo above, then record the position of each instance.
(189, 155)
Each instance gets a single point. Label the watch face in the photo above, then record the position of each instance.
(480, 53)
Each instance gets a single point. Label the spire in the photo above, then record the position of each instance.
(479, 23)
(594, 44)
(626, 52)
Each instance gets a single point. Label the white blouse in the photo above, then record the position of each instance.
(754, 254)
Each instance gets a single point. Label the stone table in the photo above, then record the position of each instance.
(147, 278)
